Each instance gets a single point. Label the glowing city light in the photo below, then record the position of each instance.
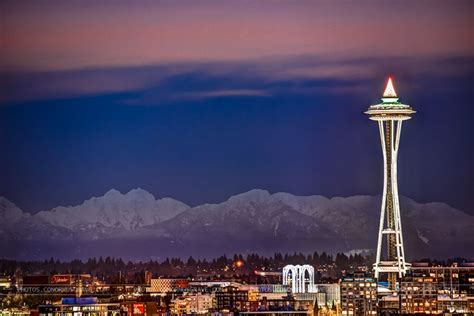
(389, 90)
(239, 263)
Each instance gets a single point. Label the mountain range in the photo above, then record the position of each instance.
(136, 226)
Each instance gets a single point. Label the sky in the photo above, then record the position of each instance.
(202, 100)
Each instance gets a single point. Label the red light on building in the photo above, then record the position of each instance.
(61, 279)
(138, 309)
(181, 284)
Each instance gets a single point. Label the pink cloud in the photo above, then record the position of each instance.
(58, 35)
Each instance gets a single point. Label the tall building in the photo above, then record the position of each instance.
(389, 115)
(358, 295)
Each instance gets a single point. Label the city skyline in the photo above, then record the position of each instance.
(236, 157)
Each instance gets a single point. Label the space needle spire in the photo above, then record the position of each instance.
(389, 115)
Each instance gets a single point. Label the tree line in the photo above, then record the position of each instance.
(241, 267)
(172, 267)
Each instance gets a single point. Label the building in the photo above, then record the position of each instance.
(253, 292)
(84, 306)
(436, 290)
(419, 294)
(332, 291)
(309, 301)
(358, 295)
(209, 286)
(232, 298)
(193, 304)
(147, 277)
(423, 290)
(138, 308)
(389, 115)
(278, 303)
(273, 288)
(299, 277)
(5, 283)
(167, 285)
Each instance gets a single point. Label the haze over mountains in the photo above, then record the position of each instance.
(135, 225)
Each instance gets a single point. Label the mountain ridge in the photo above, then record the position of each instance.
(256, 220)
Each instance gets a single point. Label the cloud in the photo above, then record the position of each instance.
(227, 93)
(65, 35)
(37, 86)
(157, 84)
(153, 98)
(330, 71)
(26, 86)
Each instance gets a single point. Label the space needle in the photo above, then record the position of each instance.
(389, 115)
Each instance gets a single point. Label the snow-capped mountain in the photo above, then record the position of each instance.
(10, 213)
(136, 225)
(129, 211)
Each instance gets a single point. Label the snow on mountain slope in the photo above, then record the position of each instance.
(130, 211)
(250, 221)
(10, 213)
(345, 216)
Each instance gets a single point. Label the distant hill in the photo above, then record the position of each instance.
(137, 226)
